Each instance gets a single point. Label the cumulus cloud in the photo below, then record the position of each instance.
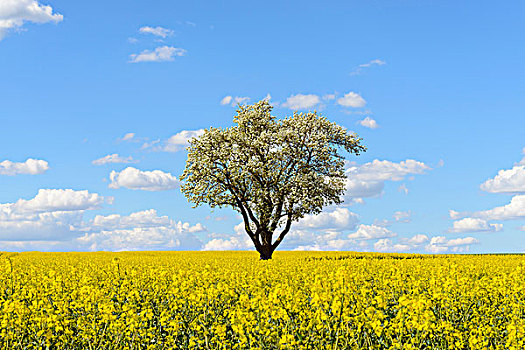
(142, 219)
(383, 170)
(13, 14)
(51, 214)
(351, 99)
(234, 100)
(404, 244)
(143, 230)
(439, 244)
(300, 101)
(53, 220)
(157, 31)
(238, 241)
(417, 240)
(136, 179)
(339, 218)
(149, 238)
(181, 140)
(30, 167)
(371, 232)
(232, 243)
(52, 200)
(367, 180)
(507, 181)
(369, 123)
(512, 211)
(474, 225)
(113, 158)
(160, 54)
(386, 245)
(327, 240)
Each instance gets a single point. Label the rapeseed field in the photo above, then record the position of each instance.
(231, 300)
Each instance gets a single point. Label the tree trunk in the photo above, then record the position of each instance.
(265, 251)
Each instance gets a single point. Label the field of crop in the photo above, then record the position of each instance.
(231, 300)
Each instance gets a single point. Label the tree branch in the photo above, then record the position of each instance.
(284, 232)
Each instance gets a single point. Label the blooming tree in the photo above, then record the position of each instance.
(272, 171)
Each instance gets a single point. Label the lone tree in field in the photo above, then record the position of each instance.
(272, 171)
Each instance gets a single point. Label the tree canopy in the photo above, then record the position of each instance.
(272, 171)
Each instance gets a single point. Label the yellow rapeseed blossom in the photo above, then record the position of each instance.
(231, 300)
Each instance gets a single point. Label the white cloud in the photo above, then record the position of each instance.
(359, 69)
(382, 170)
(371, 232)
(507, 181)
(157, 31)
(351, 99)
(234, 101)
(369, 123)
(514, 210)
(300, 101)
(239, 241)
(328, 240)
(160, 54)
(329, 97)
(403, 216)
(139, 231)
(142, 219)
(439, 244)
(405, 244)
(377, 62)
(30, 166)
(14, 13)
(51, 200)
(113, 158)
(456, 214)
(417, 239)
(232, 243)
(136, 179)
(367, 180)
(356, 190)
(403, 189)
(226, 100)
(385, 245)
(53, 220)
(128, 136)
(149, 238)
(339, 218)
(238, 100)
(180, 140)
(175, 143)
(51, 214)
(474, 225)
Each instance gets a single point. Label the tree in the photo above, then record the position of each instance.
(272, 171)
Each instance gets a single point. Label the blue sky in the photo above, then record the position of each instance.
(435, 88)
